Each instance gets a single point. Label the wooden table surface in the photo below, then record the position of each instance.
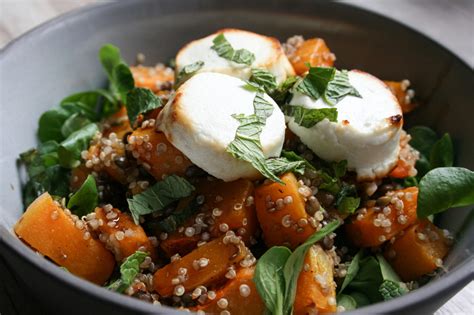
(450, 22)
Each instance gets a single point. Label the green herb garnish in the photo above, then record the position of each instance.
(140, 101)
(187, 72)
(85, 199)
(308, 117)
(129, 269)
(265, 79)
(225, 50)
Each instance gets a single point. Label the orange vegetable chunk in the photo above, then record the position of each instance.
(417, 251)
(156, 153)
(400, 90)
(153, 78)
(279, 208)
(63, 238)
(313, 51)
(206, 265)
(241, 295)
(381, 223)
(316, 289)
(123, 237)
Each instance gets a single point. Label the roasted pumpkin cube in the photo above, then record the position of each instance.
(312, 51)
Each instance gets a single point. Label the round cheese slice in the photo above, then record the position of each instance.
(367, 131)
(268, 53)
(198, 121)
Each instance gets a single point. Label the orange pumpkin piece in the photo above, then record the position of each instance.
(228, 206)
(64, 239)
(156, 153)
(153, 78)
(380, 223)
(118, 123)
(313, 51)
(106, 163)
(316, 289)
(241, 295)
(281, 213)
(417, 251)
(403, 94)
(121, 235)
(401, 170)
(206, 265)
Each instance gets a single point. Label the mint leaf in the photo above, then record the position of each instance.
(159, 196)
(315, 82)
(85, 199)
(292, 156)
(444, 188)
(390, 289)
(264, 78)
(282, 93)
(294, 264)
(347, 200)
(269, 278)
(308, 117)
(282, 165)
(187, 72)
(225, 50)
(140, 101)
(179, 217)
(338, 88)
(129, 270)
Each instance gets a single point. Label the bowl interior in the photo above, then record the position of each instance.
(39, 69)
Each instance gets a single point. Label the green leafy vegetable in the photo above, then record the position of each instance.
(282, 93)
(264, 78)
(187, 72)
(282, 165)
(69, 151)
(294, 264)
(140, 101)
(159, 196)
(352, 270)
(73, 123)
(346, 301)
(50, 124)
(442, 153)
(338, 88)
(368, 279)
(292, 156)
(444, 188)
(347, 200)
(269, 278)
(178, 218)
(85, 199)
(122, 81)
(225, 50)
(316, 81)
(390, 289)
(422, 139)
(308, 117)
(128, 271)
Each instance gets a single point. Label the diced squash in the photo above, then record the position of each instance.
(280, 208)
(313, 51)
(153, 78)
(417, 251)
(316, 289)
(121, 235)
(400, 90)
(401, 170)
(63, 238)
(241, 295)
(156, 153)
(216, 256)
(118, 123)
(106, 164)
(381, 223)
(78, 176)
(228, 205)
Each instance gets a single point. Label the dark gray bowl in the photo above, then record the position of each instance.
(59, 58)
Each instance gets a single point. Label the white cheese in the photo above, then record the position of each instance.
(367, 131)
(198, 121)
(268, 53)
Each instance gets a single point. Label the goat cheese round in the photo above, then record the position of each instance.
(268, 53)
(198, 121)
(367, 131)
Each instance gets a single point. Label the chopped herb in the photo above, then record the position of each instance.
(308, 117)
(141, 101)
(338, 88)
(187, 72)
(178, 218)
(129, 270)
(347, 200)
(159, 196)
(282, 165)
(225, 50)
(292, 156)
(264, 78)
(85, 199)
(282, 94)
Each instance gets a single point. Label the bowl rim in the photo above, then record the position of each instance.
(452, 282)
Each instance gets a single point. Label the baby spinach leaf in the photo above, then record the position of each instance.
(444, 188)
(122, 80)
(360, 298)
(442, 153)
(225, 50)
(73, 123)
(85, 199)
(129, 269)
(422, 139)
(264, 78)
(50, 124)
(353, 270)
(346, 301)
(338, 88)
(187, 72)
(109, 56)
(141, 101)
(294, 264)
(308, 117)
(159, 196)
(69, 151)
(269, 278)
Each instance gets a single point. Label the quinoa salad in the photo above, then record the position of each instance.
(244, 176)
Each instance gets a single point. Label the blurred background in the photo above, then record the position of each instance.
(450, 22)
